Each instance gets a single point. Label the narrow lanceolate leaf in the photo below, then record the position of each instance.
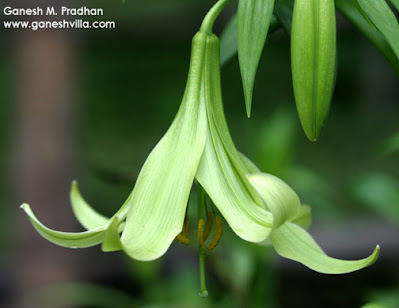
(313, 57)
(66, 239)
(253, 24)
(349, 10)
(228, 38)
(293, 242)
(384, 20)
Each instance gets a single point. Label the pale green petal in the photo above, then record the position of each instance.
(219, 129)
(85, 214)
(162, 189)
(293, 242)
(279, 198)
(112, 241)
(304, 217)
(66, 239)
(227, 191)
(222, 169)
(249, 164)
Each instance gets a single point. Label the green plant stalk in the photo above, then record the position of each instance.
(209, 20)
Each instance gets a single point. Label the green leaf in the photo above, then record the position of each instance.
(384, 20)
(228, 38)
(313, 58)
(380, 193)
(253, 24)
(66, 239)
(279, 198)
(359, 8)
(293, 242)
(159, 199)
(348, 9)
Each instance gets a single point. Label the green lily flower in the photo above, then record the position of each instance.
(198, 145)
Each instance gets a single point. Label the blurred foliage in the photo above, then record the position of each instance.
(383, 299)
(391, 145)
(81, 295)
(380, 193)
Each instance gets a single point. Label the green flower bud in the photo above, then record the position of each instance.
(313, 56)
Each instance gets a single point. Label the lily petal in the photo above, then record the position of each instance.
(293, 242)
(279, 198)
(112, 241)
(304, 217)
(66, 239)
(249, 164)
(226, 189)
(162, 189)
(85, 214)
(222, 170)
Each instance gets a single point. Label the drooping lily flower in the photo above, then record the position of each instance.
(198, 145)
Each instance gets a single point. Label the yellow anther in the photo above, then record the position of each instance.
(208, 225)
(201, 233)
(217, 234)
(181, 238)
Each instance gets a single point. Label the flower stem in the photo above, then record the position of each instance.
(209, 20)
(203, 292)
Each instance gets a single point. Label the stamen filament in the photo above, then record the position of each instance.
(201, 233)
(208, 225)
(217, 234)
